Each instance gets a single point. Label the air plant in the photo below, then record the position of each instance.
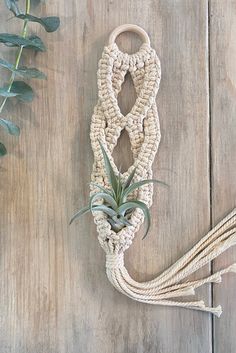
(116, 202)
(16, 88)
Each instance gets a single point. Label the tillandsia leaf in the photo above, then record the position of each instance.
(50, 24)
(4, 93)
(121, 220)
(102, 208)
(32, 42)
(109, 170)
(117, 221)
(23, 71)
(138, 184)
(107, 191)
(132, 204)
(118, 193)
(129, 179)
(80, 213)
(10, 127)
(12, 6)
(102, 195)
(3, 150)
(115, 226)
(23, 90)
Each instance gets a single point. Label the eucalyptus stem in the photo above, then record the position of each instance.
(18, 55)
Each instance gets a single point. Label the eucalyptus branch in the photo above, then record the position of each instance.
(18, 55)
(15, 88)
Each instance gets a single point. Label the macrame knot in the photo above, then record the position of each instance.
(114, 261)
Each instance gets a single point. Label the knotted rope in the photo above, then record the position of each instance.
(142, 126)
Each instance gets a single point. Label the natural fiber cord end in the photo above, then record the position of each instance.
(217, 279)
(217, 311)
(187, 291)
(232, 268)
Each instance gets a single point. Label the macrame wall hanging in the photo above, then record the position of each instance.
(142, 125)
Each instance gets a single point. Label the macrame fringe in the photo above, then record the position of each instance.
(172, 282)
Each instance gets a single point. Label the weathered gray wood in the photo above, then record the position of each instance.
(54, 295)
(223, 112)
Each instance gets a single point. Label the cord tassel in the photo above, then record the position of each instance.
(158, 290)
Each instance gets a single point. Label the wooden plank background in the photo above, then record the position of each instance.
(54, 294)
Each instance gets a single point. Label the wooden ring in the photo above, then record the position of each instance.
(129, 28)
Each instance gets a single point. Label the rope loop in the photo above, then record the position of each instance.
(129, 28)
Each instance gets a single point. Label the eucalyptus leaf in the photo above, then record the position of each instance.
(50, 24)
(30, 72)
(12, 6)
(23, 90)
(36, 43)
(22, 70)
(10, 127)
(32, 42)
(6, 64)
(3, 150)
(4, 93)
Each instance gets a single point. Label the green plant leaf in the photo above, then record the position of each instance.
(22, 70)
(119, 189)
(30, 72)
(35, 43)
(116, 227)
(121, 220)
(12, 6)
(129, 179)
(137, 185)
(50, 24)
(6, 64)
(3, 150)
(107, 191)
(10, 127)
(32, 42)
(109, 170)
(104, 209)
(103, 195)
(24, 92)
(80, 213)
(4, 93)
(132, 204)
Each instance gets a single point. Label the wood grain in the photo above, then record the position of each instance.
(223, 112)
(54, 295)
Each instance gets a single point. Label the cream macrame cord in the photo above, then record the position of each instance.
(142, 126)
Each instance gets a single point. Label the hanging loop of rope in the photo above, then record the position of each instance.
(142, 126)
